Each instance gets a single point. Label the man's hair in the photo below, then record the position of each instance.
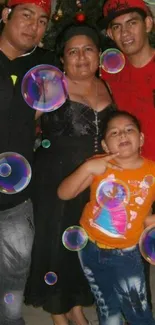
(139, 11)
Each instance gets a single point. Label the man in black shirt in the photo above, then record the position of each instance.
(24, 23)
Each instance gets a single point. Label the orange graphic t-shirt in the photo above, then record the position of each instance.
(119, 203)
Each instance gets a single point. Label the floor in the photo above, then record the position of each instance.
(36, 316)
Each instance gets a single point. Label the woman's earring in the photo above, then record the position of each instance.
(100, 66)
(100, 70)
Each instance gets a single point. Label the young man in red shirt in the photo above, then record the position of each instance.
(128, 23)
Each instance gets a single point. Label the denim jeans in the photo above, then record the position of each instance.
(116, 278)
(16, 238)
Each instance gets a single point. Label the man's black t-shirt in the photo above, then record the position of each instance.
(17, 119)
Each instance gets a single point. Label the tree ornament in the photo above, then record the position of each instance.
(56, 17)
(80, 16)
(78, 3)
(59, 12)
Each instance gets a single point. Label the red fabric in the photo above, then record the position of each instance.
(134, 91)
(112, 6)
(44, 4)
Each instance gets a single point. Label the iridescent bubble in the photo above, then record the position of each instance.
(147, 244)
(74, 238)
(149, 180)
(50, 278)
(5, 169)
(9, 298)
(46, 143)
(150, 2)
(112, 193)
(112, 60)
(20, 175)
(44, 88)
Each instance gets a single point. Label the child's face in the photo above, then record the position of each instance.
(123, 136)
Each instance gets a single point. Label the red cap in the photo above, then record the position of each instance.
(44, 4)
(115, 8)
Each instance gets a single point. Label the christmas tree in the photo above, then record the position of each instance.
(68, 11)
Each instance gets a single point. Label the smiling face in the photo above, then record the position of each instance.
(130, 32)
(123, 136)
(81, 57)
(26, 26)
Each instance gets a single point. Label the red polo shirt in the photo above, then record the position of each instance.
(134, 91)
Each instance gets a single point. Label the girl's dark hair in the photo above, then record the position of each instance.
(116, 114)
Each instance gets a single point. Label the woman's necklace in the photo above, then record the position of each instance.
(86, 101)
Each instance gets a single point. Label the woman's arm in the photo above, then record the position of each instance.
(38, 114)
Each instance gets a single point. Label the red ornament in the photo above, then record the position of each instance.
(80, 16)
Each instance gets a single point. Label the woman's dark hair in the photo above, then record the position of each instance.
(75, 29)
(116, 114)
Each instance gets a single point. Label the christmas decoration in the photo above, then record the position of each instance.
(80, 16)
(72, 11)
(60, 13)
(69, 11)
(78, 3)
(56, 17)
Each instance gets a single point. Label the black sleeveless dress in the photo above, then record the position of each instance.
(75, 133)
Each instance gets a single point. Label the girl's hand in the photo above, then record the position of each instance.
(98, 165)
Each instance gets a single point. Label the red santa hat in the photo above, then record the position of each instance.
(44, 4)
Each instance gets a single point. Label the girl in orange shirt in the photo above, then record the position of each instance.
(122, 192)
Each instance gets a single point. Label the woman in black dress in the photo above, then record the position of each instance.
(74, 131)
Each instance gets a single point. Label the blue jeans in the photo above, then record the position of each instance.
(116, 278)
(16, 238)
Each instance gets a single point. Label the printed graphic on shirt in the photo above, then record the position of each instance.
(14, 79)
(117, 204)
